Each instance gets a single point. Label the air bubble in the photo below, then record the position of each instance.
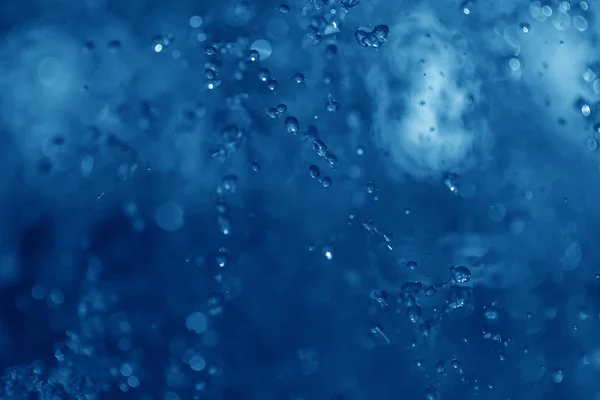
(314, 171)
(283, 8)
(460, 274)
(326, 182)
(299, 78)
(196, 21)
(585, 110)
(255, 166)
(292, 125)
(169, 216)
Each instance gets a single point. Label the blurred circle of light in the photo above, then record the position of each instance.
(196, 322)
(49, 71)
(263, 47)
(169, 216)
(580, 23)
(196, 21)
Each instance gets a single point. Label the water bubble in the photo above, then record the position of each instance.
(210, 74)
(349, 3)
(283, 8)
(281, 108)
(381, 32)
(370, 187)
(440, 367)
(332, 160)
(169, 216)
(414, 313)
(312, 247)
(197, 363)
(557, 376)
(320, 147)
(273, 113)
(253, 55)
(272, 84)
(229, 183)
(314, 171)
(292, 125)
(255, 166)
(210, 51)
(592, 144)
(196, 322)
(332, 105)
(525, 27)
(196, 21)
(326, 182)
(491, 314)
(460, 274)
(299, 77)
(328, 252)
(431, 393)
(264, 74)
(412, 265)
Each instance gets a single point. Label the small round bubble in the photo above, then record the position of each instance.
(326, 182)
(281, 108)
(210, 51)
(283, 8)
(292, 125)
(255, 166)
(299, 77)
(253, 55)
(314, 171)
(272, 84)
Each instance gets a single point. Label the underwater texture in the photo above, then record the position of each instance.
(311, 200)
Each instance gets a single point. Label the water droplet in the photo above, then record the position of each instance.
(255, 166)
(525, 27)
(272, 84)
(273, 113)
(328, 252)
(298, 77)
(326, 182)
(283, 8)
(281, 108)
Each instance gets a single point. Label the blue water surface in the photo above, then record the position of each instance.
(312, 200)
